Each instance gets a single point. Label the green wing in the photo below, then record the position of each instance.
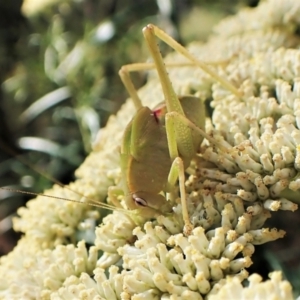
(148, 164)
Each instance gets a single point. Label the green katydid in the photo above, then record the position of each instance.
(159, 144)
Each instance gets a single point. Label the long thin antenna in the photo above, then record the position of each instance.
(93, 203)
(50, 178)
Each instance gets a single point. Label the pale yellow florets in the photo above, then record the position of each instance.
(51, 222)
(84, 287)
(275, 288)
(31, 273)
(115, 231)
(173, 265)
(284, 14)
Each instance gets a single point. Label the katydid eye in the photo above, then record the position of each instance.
(139, 201)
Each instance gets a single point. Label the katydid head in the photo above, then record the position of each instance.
(148, 204)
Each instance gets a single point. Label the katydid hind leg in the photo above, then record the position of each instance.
(202, 65)
(181, 119)
(183, 134)
(172, 101)
(194, 113)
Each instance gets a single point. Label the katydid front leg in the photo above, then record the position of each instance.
(177, 172)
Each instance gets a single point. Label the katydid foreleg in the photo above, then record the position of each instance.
(177, 172)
